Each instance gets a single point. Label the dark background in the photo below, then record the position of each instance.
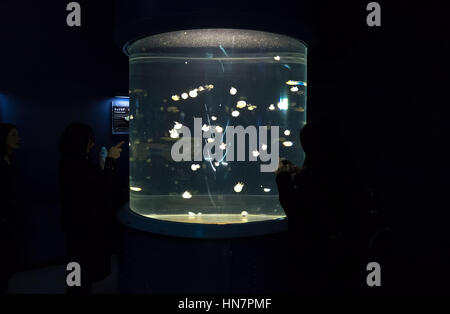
(385, 85)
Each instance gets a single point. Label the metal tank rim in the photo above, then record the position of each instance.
(200, 231)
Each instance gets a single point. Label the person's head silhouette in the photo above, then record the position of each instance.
(321, 142)
(9, 140)
(77, 140)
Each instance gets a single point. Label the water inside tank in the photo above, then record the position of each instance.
(208, 108)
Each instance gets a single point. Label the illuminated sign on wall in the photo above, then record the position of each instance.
(120, 115)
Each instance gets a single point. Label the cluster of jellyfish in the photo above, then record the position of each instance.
(207, 189)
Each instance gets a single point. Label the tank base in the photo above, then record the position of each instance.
(206, 226)
(153, 264)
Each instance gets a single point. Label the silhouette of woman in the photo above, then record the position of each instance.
(87, 213)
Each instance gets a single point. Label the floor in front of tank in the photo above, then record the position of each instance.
(220, 219)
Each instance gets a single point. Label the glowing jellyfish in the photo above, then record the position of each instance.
(271, 107)
(223, 146)
(241, 104)
(287, 132)
(266, 190)
(244, 213)
(195, 167)
(288, 143)
(291, 82)
(217, 164)
(283, 104)
(219, 129)
(186, 194)
(193, 93)
(255, 153)
(210, 140)
(131, 117)
(191, 214)
(251, 107)
(174, 133)
(214, 118)
(177, 125)
(201, 89)
(263, 146)
(205, 128)
(277, 58)
(175, 97)
(184, 95)
(233, 91)
(136, 189)
(238, 187)
(294, 89)
(211, 86)
(199, 214)
(235, 113)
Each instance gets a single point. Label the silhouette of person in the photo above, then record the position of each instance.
(323, 201)
(9, 142)
(85, 199)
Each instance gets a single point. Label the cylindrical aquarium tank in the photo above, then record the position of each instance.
(211, 113)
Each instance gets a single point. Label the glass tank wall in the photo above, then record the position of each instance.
(211, 112)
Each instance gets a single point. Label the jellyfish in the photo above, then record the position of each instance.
(238, 187)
